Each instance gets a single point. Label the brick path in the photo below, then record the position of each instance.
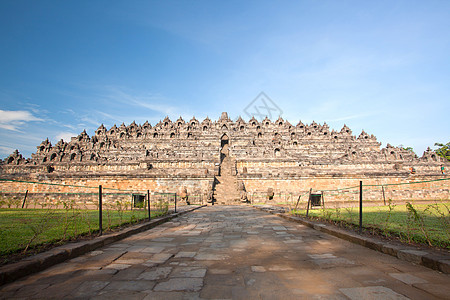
(235, 252)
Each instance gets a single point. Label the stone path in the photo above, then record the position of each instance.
(235, 252)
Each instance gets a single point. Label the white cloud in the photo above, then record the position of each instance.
(152, 102)
(12, 120)
(6, 150)
(126, 106)
(66, 136)
(119, 119)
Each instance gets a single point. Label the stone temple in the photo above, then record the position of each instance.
(225, 161)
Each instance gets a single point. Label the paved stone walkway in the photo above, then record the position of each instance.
(235, 252)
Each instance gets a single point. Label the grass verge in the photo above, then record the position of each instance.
(24, 230)
(423, 224)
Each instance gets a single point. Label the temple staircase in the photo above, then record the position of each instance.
(226, 185)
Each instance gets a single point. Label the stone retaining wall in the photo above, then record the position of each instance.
(395, 188)
(114, 189)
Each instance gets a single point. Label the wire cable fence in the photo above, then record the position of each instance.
(277, 199)
(374, 194)
(34, 214)
(417, 212)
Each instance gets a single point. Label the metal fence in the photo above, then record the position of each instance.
(42, 212)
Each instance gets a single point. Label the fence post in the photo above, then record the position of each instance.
(384, 196)
(309, 201)
(25, 199)
(360, 205)
(298, 200)
(175, 202)
(148, 202)
(323, 200)
(100, 214)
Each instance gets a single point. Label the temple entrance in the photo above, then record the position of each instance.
(223, 140)
(223, 147)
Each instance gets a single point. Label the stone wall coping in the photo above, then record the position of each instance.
(311, 162)
(100, 176)
(364, 175)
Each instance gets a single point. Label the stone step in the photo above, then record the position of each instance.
(225, 201)
(227, 183)
(227, 196)
(226, 190)
(227, 186)
(227, 180)
(230, 187)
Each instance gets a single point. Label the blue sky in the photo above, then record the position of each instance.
(381, 66)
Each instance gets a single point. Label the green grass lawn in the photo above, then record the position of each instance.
(426, 224)
(20, 228)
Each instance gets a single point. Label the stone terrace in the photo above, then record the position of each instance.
(175, 156)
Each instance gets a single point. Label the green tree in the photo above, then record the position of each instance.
(406, 148)
(443, 150)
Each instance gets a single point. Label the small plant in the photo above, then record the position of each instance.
(133, 218)
(76, 213)
(40, 227)
(350, 214)
(443, 217)
(446, 207)
(12, 201)
(418, 219)
(85, 218)
(434, 212)
(66, 207)
(17, 202)
(388, 217)
(338, 214)
(120, 208)
(162, 207)
(2, 201)
(108, 215)
(409, 223)
(327, 214)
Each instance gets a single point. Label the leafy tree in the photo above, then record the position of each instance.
(406, 148)
(443, 150)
